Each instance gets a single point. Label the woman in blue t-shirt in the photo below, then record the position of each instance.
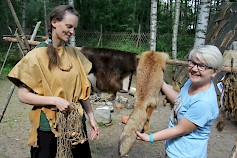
(195, 107)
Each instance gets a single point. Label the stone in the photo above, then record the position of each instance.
(103, 116)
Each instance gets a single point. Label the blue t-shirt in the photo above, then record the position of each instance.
(201, 109)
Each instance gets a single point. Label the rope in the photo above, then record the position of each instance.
(71, 132)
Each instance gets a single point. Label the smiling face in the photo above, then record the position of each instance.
(64, 29)
(200, 76)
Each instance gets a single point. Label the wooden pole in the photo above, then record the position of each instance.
(139, 35)
(101, 34)
(18, 25)
(177, 62)
(185, 63)
(10, 39)
(5, 59)
(170, 62)
(35, 31)
(23, 44)
(7, 101)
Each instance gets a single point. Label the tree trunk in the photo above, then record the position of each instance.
(45, 18)
(72, 38)
(175, 29)
(202, 23)
(27, 47)
(153, 25)
(171, 8)
(23, 3)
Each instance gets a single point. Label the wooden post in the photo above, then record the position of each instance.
(35, 31)
(7, 101)
(139, 36)
(22, 45)
(100, 39)
(18, 25)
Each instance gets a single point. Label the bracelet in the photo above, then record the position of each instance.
(151, 138)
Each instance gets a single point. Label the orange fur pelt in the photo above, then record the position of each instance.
(150, 73)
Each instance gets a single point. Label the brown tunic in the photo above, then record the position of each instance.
(71, 85)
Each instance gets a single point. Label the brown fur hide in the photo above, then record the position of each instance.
(150, 73)
(110, 66)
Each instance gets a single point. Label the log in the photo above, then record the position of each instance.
(171, 62)
(177, 62)
(185, 63)
(10, 39)
(18, 24)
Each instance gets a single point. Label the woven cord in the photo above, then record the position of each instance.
(71, 132)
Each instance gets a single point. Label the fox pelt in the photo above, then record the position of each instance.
(149, 76)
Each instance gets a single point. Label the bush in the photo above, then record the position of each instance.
(12, 58)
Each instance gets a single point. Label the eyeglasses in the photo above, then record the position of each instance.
(200, 66)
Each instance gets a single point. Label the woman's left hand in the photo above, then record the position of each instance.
(95, 130)
(143, 136)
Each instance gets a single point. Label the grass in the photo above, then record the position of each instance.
(9, 120)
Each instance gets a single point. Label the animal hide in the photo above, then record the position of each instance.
(110, 67)
(150, 72)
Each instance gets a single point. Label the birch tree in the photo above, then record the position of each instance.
(175, 29)
(202, 22)
(72, 38)
(153, 25)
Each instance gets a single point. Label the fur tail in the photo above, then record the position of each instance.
(136, 122)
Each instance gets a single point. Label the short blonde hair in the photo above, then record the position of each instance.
(210, 54)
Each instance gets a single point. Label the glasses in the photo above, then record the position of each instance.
(200, 66)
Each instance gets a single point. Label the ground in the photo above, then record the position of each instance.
(15, 125)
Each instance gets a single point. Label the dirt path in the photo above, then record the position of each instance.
(15, 125)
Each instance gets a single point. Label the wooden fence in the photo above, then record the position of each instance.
(112, 39)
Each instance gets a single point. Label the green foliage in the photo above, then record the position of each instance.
(34, 14)
(125, 45)
(114, 16)
(12, 58)
(102, 125)
(9, 120)
(89, 41)
(164, 42)
(184, 45)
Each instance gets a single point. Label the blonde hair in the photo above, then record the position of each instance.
(58, 14)
(210, 54)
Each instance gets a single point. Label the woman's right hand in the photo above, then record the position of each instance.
(62, 104)
(26, 96)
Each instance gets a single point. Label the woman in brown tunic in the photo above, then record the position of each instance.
(53, 78)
